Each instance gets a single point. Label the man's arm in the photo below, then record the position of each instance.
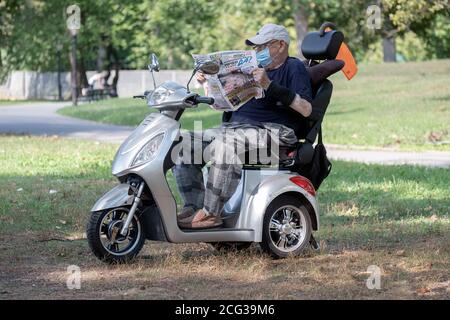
(287, 96)
(301, 105)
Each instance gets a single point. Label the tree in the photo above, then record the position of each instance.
(301, 16)
(435, 33)
(30, 30)
(175, 28)
(400, 15)
(8, 11)
(39, 26)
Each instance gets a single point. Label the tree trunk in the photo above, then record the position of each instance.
(81, 74)
(389, 49)
(101, 57)
(115, 79)
(301, 27)
(170, 59)
(73, 73)
(81, 78)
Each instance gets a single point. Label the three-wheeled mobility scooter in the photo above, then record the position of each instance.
(275, 207)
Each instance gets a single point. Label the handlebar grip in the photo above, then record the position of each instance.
(143, 96)
(207, 100)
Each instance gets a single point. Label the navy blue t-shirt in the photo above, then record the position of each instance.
(291, 74)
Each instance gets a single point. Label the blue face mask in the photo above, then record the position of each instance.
(263, 57)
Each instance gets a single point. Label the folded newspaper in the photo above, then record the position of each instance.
(234, 85)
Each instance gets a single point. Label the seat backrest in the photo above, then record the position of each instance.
(321, 101)
(319, 107)
(321, 45)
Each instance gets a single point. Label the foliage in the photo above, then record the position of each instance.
(30, 31)
(39, 27)
(436, 35)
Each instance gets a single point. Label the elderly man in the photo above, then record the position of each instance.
(285, 106)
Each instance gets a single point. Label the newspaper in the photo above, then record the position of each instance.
(234, 85)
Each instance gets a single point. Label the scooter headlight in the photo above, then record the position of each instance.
(149, 151)
(159, 96)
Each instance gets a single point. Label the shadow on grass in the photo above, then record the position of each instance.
(441, 98)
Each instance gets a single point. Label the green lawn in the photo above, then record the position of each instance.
(14, 102)
(80, 172)
(130, 112)
(405, 106)
(395, 216)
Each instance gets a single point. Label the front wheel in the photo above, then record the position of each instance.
(287, 227)
(105, 240)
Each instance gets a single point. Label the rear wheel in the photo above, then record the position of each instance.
(105, 240)
(287, 227)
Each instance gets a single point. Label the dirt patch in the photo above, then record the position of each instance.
(34, 266)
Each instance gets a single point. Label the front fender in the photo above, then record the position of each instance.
(116, 197)
(266, 192)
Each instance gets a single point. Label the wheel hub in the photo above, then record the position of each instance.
(286, 229)
(109, 232)
(114, 231)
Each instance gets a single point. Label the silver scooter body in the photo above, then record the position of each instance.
(244, 212)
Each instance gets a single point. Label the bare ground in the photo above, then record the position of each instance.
(34, 266)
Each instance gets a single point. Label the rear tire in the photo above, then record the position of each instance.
(287, 227)
(99, 230)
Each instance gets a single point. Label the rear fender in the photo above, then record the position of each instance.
(266, 192)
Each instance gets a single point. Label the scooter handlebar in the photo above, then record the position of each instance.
(207, 100)
(143, 96)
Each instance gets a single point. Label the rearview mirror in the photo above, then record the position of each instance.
(209, 67)
(154, 63)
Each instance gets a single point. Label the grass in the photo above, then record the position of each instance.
(404, 106)
(130, 112)
(395, 217)
(4, 103)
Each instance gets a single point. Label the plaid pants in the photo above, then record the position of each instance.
(224, 147)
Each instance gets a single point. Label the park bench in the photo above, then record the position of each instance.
(90, 94)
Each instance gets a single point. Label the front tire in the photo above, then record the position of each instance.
(287, 227)
(105, 240)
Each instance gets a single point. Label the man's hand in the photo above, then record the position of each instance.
(261, 77)
(201, 78)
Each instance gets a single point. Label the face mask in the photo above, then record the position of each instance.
(263, 57)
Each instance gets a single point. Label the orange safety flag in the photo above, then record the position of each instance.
(350, 68)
